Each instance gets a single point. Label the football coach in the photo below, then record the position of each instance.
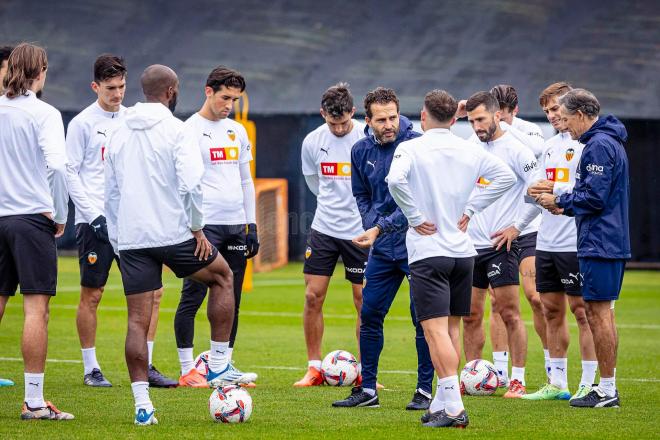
(599, 203)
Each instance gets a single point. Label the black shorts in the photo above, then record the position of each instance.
(441, 286)
(28, 254)
(558, 272)
(322, 254)
(142, 269)
(94, 257)
(495, 268)
(525, 246)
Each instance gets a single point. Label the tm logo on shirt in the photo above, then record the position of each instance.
(336, 169)
(557, 174)
(221, 154)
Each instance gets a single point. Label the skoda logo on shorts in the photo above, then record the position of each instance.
(308, 252)
(92, 257)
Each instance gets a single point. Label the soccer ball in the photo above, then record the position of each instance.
(339, 368)
(202, 363)
(230, 404)
(479, 378)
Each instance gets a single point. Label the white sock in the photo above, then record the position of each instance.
(518, 374)
(558, 368)
(608, 385)
(218, 359)
(314, 364)
(501, 361)
(89, 359)
(546, 358)
(230, 353)
(141, 396)
(186, 359)
(589, 373)
(150, 349)
(34, 390)
(451, 394)
(369, 391)
(437, 404)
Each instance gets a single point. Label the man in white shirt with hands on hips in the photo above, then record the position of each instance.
(229, 208)
(493, 232)
(432, 179)
(153, 204)
(33, 212)
(86, 140)
(326, 165)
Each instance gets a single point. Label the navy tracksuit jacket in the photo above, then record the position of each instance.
(388, 260)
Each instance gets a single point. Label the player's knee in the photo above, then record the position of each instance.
(91, 298)
(314, 299)
(552, 313)
(510, 316)
(580, 316)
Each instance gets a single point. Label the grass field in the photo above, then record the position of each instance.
(271, 343)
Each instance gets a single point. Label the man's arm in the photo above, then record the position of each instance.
(112, 199)
(397, 182)
(312, 181)
(362, 195)
(189, 170)
(529, 171)
(77, 138)
(52, 144)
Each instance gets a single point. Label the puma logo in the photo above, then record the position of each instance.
(208, 135)
(497, 266)
(220, 352)
(373, 164)
(325, 150)
(450, 388)
(573, 275)
(34, 384)
(497, 270)
(102, 132)
(561, 369)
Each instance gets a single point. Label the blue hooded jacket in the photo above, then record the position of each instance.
(599, 201)
(370, 164)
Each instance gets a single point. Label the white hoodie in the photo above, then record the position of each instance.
(153, 192)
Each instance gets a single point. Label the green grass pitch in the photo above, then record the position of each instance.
(271, 343)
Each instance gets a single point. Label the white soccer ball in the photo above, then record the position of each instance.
(202, 363)
(339, 368)
(479, 378)
(230, 404)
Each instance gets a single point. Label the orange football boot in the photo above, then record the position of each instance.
(516, 390)
(193, 379)
(312, 378)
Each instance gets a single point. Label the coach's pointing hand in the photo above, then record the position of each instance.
(426, 228)
(367, 239)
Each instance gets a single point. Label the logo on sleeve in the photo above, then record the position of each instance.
(595, 169)
(530, 166)
(569, 154)
(336, 169)
(482, 182)
(557, 174)
(223, 154)
(232, 135)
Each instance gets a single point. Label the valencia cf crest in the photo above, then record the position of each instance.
(92, 257)
(231, 134)
(569, 154)
(308, 252)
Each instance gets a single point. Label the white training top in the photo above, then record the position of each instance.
(224, 147)
(558, 233)
(533, 135)
(86, 138)
(431, 179)
(153, 191)
(329, 157)
(32, 158)
(510, 209)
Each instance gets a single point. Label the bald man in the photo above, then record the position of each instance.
(162, 224)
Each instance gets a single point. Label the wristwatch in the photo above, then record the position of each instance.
(380, 229)
(557, 200)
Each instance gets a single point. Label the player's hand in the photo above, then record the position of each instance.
(251, 241)
(463, 223)
(556, 211)
(426, 228)
(100, 228)
(505, 236)
(461, 112)
(59, 229)
(367, 239)
(541, 187)
(203, 248)
(547, 201)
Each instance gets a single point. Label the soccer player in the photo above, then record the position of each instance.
(557, 270)
(326, 165)
(33, 212)
(530, 135)
(86, 140)
(4, 57)
(599, 202)
(493, 232)
(440, 253)
(229, 206)
(153, 203)
(385, 226)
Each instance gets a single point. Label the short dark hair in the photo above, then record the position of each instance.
(108, 66)
(4, 52)
(380, 95)
(506, 96)
(337, 100)
(224, 76)
(482, 98)
(580, 100)
(554, 90)
(441, 105)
